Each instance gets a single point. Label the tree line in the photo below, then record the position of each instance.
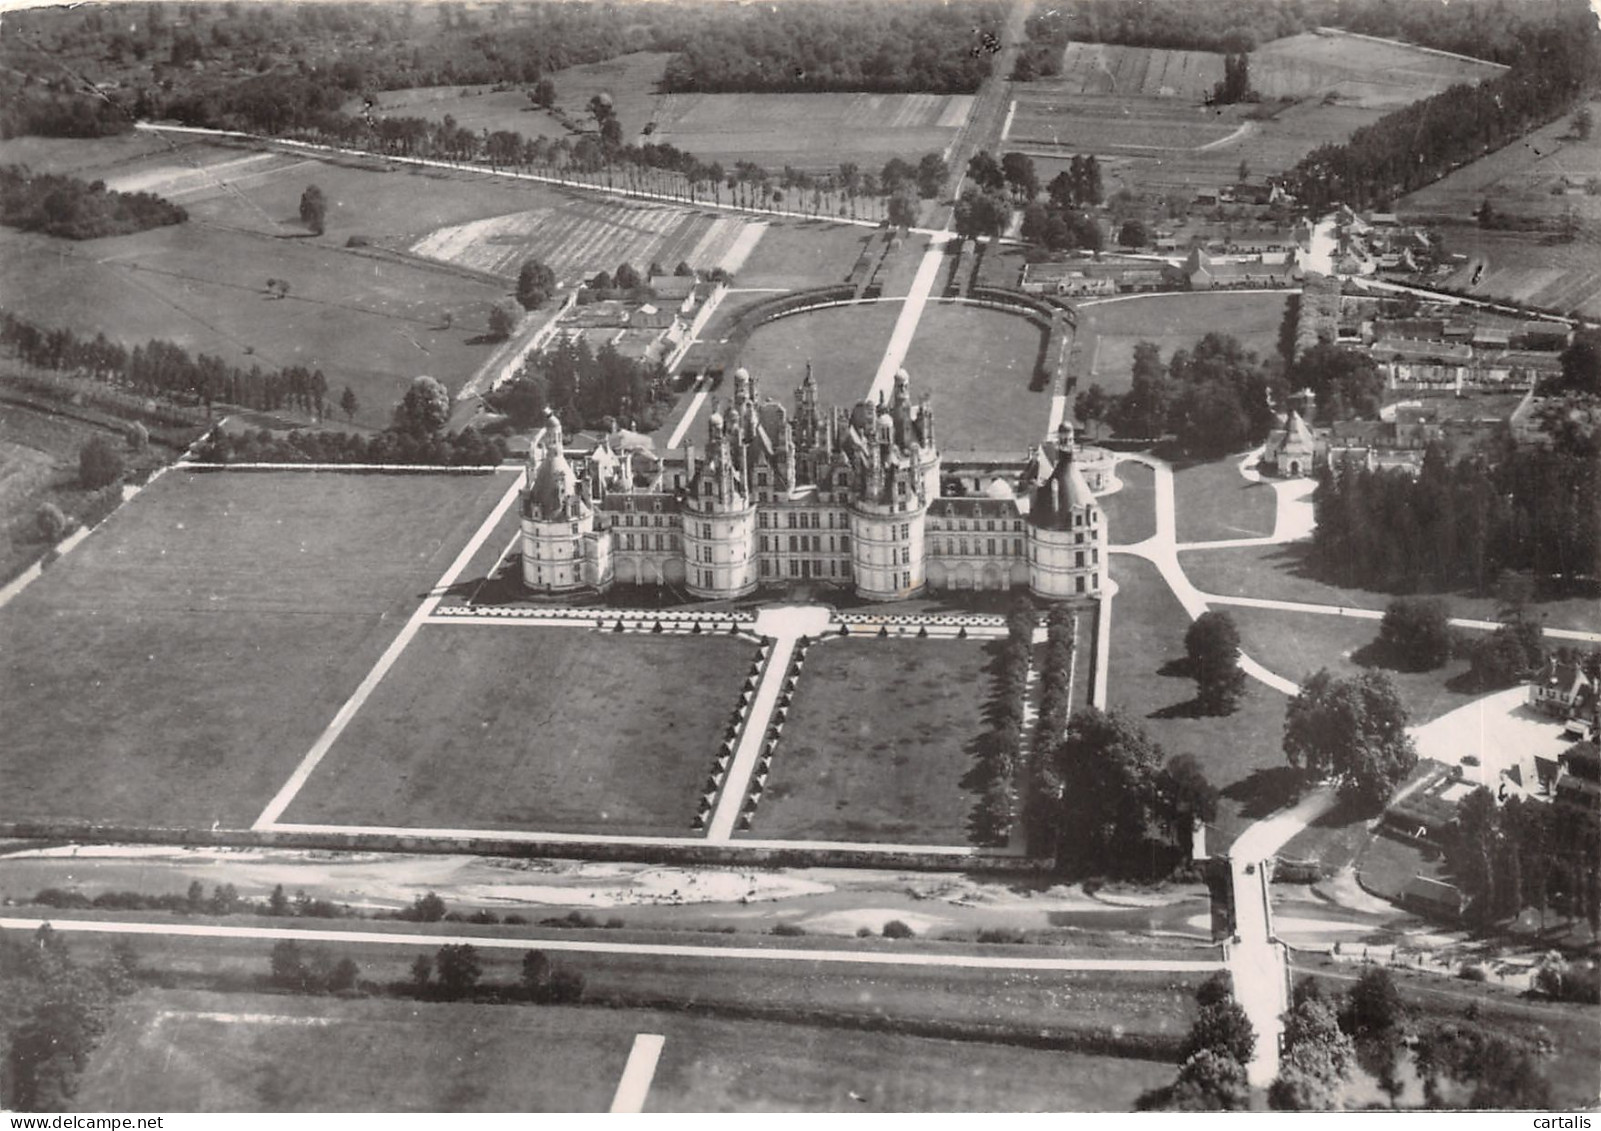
(454, 972)
(1482, 29)
(161, 368)
(999, 765)
(1421, 143)
(78, 210)
(1520, 854)
(1512, 508)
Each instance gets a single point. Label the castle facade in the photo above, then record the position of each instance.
(833, 496)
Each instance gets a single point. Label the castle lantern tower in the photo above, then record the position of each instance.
(894, 478)
(719, 517)
(1066, 535)
(561, 550)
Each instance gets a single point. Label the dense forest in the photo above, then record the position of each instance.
(77, 210)
(266, 65)
(1484, 29)
(1527, 508)
(851, 45)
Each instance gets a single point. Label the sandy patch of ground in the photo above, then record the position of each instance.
(1501, 730)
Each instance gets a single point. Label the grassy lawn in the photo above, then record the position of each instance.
(843, 344)
(544, 729)
(1296, 644)
(200, 1051)
(880, 737)
(793, 254)
(176, 666)
(1131, 509)
(711, 1065)
(1240, 753)
(978, 365)
(1213, 501)
(1109, 331)
(1279, 573)
(369, 325)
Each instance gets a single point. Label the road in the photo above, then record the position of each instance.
(1021, 962)
(987, 118)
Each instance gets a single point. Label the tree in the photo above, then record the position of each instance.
(902, 208)
(502, 321)
(138, 436)
(544, 94)
(313, 209)
(424, 409)
(1208, 1081)
(536, 282)
(458, 969)
(985, 172)
(1581, 362)
(1374, 1004)
(422, 973)
(1345, 383)
(50, 522)
(99, 463)
(278, 901)
(1212, 646)
(289, 970)
(348, 404)
(1223, 1028)
(931, 174)
(1583, 123)
(897, 173)
(1109, 807)
(426, 909)
(536, 973)
(1134, 233)
(601, 282)
(1507, 655)
(1415, 633)
(1186, 792)
(626, 277)
(1021, 177)
(1316, 1059)
(1092, 405)
(1351, 730)
(981, 214)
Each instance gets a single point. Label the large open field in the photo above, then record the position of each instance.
(978, 365)
(369, 325)
(1213, 501)
(544, 729)
(807, 131)
(1141, 109)
(848, 769)
(1541, 174)
(1353, 68)
(811, 131)
(1530, 267)
(577, 237)
(198, 1051)
(175, 667)
(1109, 331)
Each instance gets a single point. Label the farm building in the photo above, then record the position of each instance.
(1561, 688)
(1201, 272)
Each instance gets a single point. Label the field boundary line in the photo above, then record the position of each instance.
(374, 677)
(662, 950)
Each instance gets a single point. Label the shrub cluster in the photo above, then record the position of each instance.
(466, 448)
(1000, 749)
(65, 206)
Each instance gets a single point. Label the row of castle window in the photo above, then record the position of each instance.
(801, 543)
(806, 567)
(803, 520)
(628, 520)
(667, 542)
(961, 524)
(980, 546)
